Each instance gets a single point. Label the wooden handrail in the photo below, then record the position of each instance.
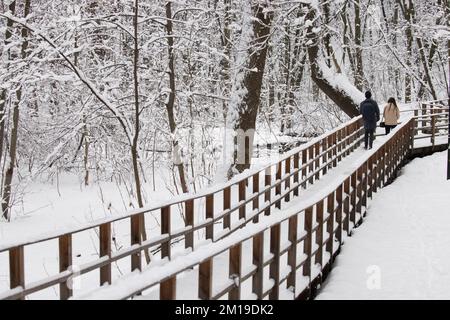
(338, 210)
(363, 180)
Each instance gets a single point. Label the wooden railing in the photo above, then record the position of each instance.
(432, 120)
(255, 194)
(316, 226)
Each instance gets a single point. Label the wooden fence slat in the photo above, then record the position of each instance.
(353, 199)
(317, 162)
(319, 233)
(16, 267)
(258, 256)
(235, 264)
(287, 182)
(339, 214)
(189, 237)
(325, 153)
(242, 196)
(255, 185)
(167, 288)
(105, 250)
(307, 243)
(346, 207)
(165, 229)
(65, 263)
(296, 175)
(227, 205)
(311, 165)
(205, 279)
(278, 187)
(209, 214)
(135, 224)
(267, 182)
(330, 224)
(304, 170)
(274, 268)
(292, 252)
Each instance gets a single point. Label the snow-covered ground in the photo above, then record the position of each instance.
(401, 250)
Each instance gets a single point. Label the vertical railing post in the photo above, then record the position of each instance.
(339, 214)
(433, 126)
(65, 263)
(235, 261)
(105, 250)
(135, 222)
(311, 164)
(165, 229)
(267, 194)
(274, 268)
(353, 199)
(279, 184)
(304, 168)
(334, 149)
(346, 207)
(292, 252)
(307, 243)
(226, 206)
(317, 162)
(189, 237)
(325, 153)
(16, 268)
(258, 256)
(287, 183)
(319, 233)
(296, 175)
(242, 197)
(167, 288)
(209, 214)
(330, 224)
(255, 186)
(370, 176)
(205, 279)
(365, 187)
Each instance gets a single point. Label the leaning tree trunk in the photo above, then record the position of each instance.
(342, 98)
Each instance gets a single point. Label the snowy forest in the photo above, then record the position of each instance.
(138, 100)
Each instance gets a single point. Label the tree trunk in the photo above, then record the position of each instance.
(247, 108)
(9, 174)
(178, 162)
(342, 99)
(359, 72)
(135, 142)
(3, 92)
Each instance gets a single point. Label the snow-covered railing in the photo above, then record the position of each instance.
(223, 210)
(298, 259)
(258, 193)
(431, 121)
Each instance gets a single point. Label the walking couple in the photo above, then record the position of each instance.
(371, 115)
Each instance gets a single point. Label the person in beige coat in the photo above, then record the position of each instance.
(391, 115)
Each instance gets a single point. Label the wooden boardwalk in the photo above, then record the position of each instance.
(243, 211)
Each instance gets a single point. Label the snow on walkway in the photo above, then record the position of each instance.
(401, 251)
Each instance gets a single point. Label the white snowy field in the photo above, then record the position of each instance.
(401, 250)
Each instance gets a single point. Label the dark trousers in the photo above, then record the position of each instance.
(389, 128)
(368, 137)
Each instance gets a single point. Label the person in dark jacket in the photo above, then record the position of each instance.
(371, 115)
